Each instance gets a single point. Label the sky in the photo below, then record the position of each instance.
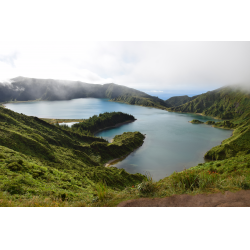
(159, 68)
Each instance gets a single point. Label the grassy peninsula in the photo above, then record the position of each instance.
(104, 120)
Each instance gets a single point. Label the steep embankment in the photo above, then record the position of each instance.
(27, 89)
(40, 159)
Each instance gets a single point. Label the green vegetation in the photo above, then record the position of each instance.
(210, 122)
(196, 122)
(46, 164)
(224, 103)
(179, 100)
(102, 121)
(216, 176)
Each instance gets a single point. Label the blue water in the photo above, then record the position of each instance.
(171, 144)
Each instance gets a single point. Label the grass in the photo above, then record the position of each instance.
(216, 176)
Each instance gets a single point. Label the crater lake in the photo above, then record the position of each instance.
(171, 143)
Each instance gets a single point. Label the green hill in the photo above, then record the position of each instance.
(179, 100)
(44, 160)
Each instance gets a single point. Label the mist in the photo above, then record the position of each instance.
(158, 68)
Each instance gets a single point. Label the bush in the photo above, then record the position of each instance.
(147, 186)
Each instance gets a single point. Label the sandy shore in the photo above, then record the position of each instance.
(117, 125)
(108, 164)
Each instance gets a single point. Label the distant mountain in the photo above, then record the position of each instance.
(179, 100)
(26, 89)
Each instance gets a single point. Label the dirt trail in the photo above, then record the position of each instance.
(229, 199)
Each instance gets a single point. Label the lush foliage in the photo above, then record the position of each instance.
(102, 121)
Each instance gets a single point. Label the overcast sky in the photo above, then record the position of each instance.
(152, 66)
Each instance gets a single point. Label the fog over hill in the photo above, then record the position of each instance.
(26, 89)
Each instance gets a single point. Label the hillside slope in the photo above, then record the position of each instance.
(37, 158)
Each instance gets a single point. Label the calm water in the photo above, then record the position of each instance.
(171, 144)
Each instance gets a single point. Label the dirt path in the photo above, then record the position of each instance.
(229, 199)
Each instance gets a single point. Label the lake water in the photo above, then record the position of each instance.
(171, 144)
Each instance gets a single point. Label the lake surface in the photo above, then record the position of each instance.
(171, 144)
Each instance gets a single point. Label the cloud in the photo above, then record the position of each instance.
(156, 66)
(9, 59)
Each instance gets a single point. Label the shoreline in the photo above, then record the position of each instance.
(208, 116)
(108, 164)
(117, 125)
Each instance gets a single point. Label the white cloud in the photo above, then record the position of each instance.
(155, 66)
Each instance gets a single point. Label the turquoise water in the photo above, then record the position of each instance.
(171, 144)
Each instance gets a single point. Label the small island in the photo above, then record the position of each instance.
(196, 122)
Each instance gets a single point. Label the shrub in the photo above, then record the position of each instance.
(101, 190)
(148, 186)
